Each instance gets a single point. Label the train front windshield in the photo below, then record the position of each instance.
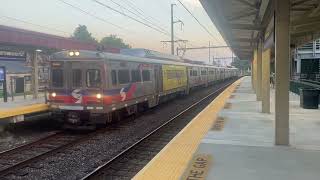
(57, 78)
(93, 78)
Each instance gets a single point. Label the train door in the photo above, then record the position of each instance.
(206, 75)
(158, 78)
(157, 85)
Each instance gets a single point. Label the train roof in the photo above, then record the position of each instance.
(147, 53)
(95, 55)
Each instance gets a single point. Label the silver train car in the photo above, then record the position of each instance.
(89, 88)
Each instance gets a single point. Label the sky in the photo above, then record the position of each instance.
(56, 17)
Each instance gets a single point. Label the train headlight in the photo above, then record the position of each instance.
(77, 53)
(71, 53)
(53, 94)
(99, 96)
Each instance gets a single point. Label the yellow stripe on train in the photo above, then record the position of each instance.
(174, 76)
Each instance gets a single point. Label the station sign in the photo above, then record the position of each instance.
(2, 73)
(4, 82)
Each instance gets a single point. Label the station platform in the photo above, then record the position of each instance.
(232, 139)
(14, 111)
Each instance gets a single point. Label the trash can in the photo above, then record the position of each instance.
(309, 98)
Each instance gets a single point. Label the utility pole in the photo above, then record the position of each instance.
(176, 41)
(172, 30)
(213, 60)
(172, 41)
(209, 52)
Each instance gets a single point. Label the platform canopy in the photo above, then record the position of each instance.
(241, 22)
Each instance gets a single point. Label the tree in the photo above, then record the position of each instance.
(81, 33)
(114, 41)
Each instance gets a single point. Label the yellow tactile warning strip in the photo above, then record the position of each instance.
(23, 110)
(171, 161)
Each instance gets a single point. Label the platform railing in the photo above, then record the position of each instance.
(296, 85)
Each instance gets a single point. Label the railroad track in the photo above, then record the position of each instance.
(14, 159)
(129, 161)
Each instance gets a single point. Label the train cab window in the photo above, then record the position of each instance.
(76, 78)
(146, 75)
(57, 78)
(114, 77)
(123, 76)
(93, 78)
(135, 76)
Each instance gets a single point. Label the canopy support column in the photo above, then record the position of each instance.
(266, 56)
(282, 57)
(259, 71)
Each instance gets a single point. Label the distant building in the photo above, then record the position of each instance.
(19, 72)
(18, 76)
(307, 61)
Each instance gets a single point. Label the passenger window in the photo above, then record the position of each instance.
(57, 77)
(123, 76)
(135, 76)
(76, 78)
(114, 77)
(195, 73)
(146, 75)
(93, 78)
(203, 72)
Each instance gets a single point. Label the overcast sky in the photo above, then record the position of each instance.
(62, 19)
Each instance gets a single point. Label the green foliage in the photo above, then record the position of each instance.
(81, 33)
(241, 64)
(114, 41)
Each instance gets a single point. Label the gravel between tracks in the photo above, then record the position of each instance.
(78, 160)
(14, 135)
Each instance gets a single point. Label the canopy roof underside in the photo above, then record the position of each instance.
(241, 22)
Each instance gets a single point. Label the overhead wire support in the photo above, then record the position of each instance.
(90, 14)
(204, 27)
(33, 24)
(126, 15)
(140, 15)
(140, 11)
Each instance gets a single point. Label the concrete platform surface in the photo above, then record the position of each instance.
(244, 147)
(174, 157)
